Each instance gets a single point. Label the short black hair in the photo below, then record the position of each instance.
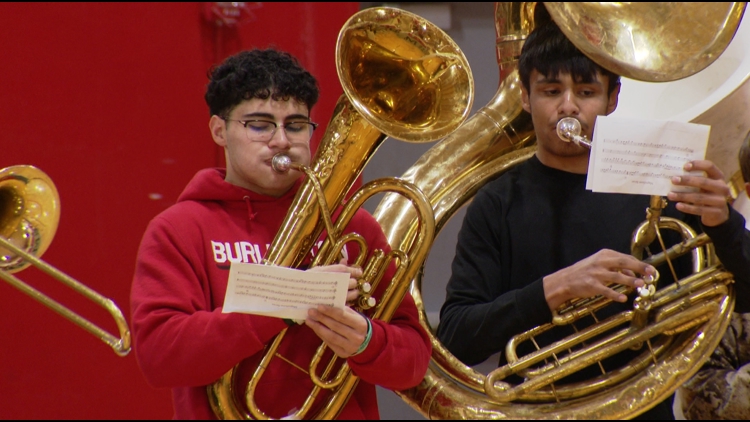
(257, 73)
(745, 158)
(548, 51)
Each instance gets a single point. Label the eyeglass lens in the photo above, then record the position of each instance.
(263, 130)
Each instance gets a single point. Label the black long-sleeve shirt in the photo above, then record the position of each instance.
(535, 220)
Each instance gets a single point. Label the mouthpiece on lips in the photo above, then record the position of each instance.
(569, 130)
(281, 163)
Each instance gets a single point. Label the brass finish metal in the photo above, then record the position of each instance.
(736, 186)
(716, 96)
(404, 78)
(569, 130)
(496, 138)
(489, 143)
(685, 321)
(403, 74)
(29, 216)
(679, 308)
(650, 41)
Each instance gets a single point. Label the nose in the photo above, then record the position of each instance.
(279, 140)
(568, 104)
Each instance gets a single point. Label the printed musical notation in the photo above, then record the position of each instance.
(282, 292)
(640, 156)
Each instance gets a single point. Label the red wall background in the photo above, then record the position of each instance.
(107, 99)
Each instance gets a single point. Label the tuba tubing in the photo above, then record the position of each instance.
(497, 137)
(467, 158)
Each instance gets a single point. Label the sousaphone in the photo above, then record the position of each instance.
(653, 42)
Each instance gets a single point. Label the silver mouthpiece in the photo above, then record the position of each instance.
(569, 130)
(281, 163)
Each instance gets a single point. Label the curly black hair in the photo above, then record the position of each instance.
(550, 52)
(260, 74)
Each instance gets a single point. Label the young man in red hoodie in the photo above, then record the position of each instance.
(260, 103)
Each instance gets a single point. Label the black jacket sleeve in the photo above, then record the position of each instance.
(732, 244)
(483, 310)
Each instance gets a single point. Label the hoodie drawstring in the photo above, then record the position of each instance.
(250, 213)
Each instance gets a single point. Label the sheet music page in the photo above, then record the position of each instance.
(640, 156)
(282, 292)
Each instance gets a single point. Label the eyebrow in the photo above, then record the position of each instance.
(272, 117)
(556, 80)
(546, 80)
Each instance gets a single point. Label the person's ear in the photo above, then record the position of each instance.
(218, 128)
(613, 98)
(747, 189)
(525, 99)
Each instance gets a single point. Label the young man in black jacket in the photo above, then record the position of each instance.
(536, 238)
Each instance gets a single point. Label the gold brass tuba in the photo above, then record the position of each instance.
(489, 144)
(29, 215)
(402, 77)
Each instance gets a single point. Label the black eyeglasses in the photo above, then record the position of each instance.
(263, 130)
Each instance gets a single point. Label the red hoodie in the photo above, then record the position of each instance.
(183, 341)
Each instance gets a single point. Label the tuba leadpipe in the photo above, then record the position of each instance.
(402, 77)
(29, 204)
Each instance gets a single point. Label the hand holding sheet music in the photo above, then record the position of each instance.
(282, 292)
(640, 156)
